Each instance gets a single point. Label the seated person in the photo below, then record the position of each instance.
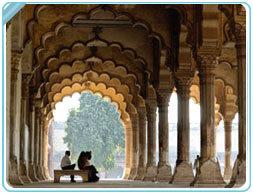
(66, 165)
(83, 164)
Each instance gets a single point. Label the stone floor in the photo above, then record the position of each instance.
(107, 183)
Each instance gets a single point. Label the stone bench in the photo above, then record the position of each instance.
(59, 173)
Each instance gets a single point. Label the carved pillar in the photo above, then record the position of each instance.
(183, 171)
(32, 135)
(41, 146)
(142, 142)
(239, 169)
(127, 151)
(228, 148)
(151, 169)
(209, 167)
(45, 150)
(218, 118)
(23, 168)
(164, 168)
(37, 143)
(13, 164)
(134, 146)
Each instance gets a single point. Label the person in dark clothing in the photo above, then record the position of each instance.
(83, 164)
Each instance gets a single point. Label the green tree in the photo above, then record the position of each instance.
(95, 127)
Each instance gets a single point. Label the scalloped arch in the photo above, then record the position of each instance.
(99, 88)
(89, 75)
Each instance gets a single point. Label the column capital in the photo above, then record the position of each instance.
(183, 81)
(163, 99)
(207, 62)
(14, 74)
(142, 111)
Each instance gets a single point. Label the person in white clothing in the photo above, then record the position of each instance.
(66, 164)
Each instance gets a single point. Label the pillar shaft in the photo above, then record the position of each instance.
(14, 73)
(142, 143)
(134, 145)
(127, 152)
(239, 169)
(209, 172)
(241, 55)
(164, 168)
(183, 172)
(207, 64)
(32, 148)
(163, 103)
(13, 176)
(151, 115)
(228, 148)
(183, 125)
(151, 169)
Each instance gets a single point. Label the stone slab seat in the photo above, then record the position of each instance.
(59, 173)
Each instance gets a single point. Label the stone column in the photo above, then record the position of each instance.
(183, 171)
(23, 168)
(218, 118)
(164, 168)
(228, 147)
(45, 151)
(239, 169)
(41, 146)
(151, 168)
(32, 148)
(134, 146)
(127, 151)
(142, 142)
(37, 137)
(209, 167)
(13, 164)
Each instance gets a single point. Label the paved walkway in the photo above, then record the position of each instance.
(112, 184)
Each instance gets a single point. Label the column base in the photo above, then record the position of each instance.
(23, 173)
(133, 173)
(42, 172)
(239, 174)
(227, 173)
(209, 174)
(150, 174)
(140, 173)
(183, 173)
(32, 173)
(164, 173)
(13, 177)
(39, 173)
(126, 173)
(45, 172)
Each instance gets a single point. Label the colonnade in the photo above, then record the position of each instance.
(183, 173)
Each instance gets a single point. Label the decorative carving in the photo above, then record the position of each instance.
(97, 30)
(207, 62)
(233, 30)
(163, 99)
(183, 81)
(25, 85)
(15, 59)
